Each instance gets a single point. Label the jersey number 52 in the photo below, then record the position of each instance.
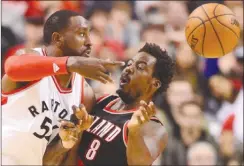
(46, 125)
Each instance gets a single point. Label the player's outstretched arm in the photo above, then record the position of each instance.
(64, 150)
(29, 67)
(146, 139)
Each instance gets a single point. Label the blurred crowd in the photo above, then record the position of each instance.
(203, 107)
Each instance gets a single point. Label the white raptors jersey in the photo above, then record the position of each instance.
(30, 118)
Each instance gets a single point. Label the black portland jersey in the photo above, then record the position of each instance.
(104, 143)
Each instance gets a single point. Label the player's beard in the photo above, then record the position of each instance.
(126, 97)
(67, 51)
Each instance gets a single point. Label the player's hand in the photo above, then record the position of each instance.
(81, 118)
(92, 68)
(68, 133)
(141, 116)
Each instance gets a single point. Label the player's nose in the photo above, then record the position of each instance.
(129, 69)
(88, 42)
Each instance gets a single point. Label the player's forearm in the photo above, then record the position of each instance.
(31, 67)
(137, 151)
(55, 154)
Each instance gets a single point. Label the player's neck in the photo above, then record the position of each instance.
(53, 51)
(64, 80)
(120, 105)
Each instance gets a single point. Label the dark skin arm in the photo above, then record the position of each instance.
(69, 156)
(146, 139)
(92, 68)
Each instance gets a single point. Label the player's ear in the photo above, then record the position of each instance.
(57, 39)
(156, 83)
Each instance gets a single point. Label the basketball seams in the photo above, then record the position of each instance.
(227, 27)
(214, 30)
(203, 39)
(203, 22)
(196, 26)
(203, 32)
(214, 12)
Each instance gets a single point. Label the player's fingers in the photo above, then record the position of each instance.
(79, 113)
(75, 108)
(100, 79)
(66, 124)
(152, 109)
(139, 120)
(144, 113)
(90, 119)
(113, 63)
(102, 69)
(106, 77)
(83, 110)
(72, 138)
(145, 105)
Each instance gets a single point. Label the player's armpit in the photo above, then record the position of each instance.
(145, 146)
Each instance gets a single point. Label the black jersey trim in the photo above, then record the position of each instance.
(155, 119)
(108, 109)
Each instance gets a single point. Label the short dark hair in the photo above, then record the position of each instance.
(57, 22)
(164, 67)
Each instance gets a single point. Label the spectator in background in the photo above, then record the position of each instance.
(201, 153)
(177, 15)
(153, 30)
(98, 15)
(121, 27)
(33, 36)
(8, 40)
(192, 128)
(178, 92)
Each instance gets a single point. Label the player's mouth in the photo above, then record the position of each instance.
(87, 52)
(124, 79)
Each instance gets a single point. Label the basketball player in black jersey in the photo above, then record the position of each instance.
(123, 129)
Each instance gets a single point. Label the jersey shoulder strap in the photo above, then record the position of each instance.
(104, 100)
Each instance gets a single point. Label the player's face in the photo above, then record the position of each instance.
(136, 81)
(76, 37)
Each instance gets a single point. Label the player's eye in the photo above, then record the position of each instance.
(141, 66)
(82, 34)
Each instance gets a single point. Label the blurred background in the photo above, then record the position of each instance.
(203, 107)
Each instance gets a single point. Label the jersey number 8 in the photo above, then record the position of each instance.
(91, 153)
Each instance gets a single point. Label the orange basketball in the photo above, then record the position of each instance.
(212, 30)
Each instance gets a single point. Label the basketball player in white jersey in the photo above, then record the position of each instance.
(42, 84)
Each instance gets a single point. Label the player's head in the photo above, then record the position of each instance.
(69, 32)
(149, 72)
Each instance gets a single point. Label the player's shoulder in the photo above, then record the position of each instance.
(104, 100)
(35, 51)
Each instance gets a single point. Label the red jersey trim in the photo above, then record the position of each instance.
(102, 98)
(125, 137)
(21, 89)
(4, 100)
(60, 88)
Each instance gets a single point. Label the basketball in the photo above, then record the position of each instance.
(212, 30)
